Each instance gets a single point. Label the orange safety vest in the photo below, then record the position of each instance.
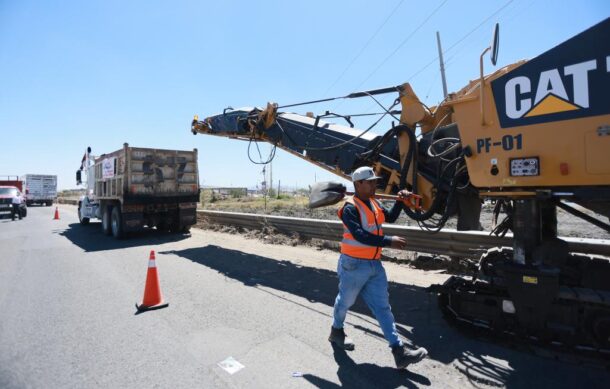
(371, 221)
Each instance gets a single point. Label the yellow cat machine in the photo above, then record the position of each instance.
(532, 137)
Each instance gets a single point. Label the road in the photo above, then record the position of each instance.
(67, 318)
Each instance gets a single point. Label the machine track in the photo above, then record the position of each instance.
(564, 314)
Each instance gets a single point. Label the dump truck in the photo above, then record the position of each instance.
(39, 188)
(135, 187)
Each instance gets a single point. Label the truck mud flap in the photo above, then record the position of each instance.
(187, 214)
(132, 221)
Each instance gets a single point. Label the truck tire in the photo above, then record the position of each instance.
(82, 220)
(178, 228)
(117, 222)
(106, 229)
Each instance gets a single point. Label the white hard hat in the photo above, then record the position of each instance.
(364, 173)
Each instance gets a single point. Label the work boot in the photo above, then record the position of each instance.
(338, 338)
(404, 357)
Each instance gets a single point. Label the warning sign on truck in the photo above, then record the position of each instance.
(108, 167)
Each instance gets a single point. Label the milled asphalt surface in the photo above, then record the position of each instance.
(67, 318)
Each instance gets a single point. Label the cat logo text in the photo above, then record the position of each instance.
(569, 81)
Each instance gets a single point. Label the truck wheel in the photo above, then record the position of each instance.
(24, 212)
(117, 223)
(179, 228)
(83, 220)
(106, 229)
(49, 203)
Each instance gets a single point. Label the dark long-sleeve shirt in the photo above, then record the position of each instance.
(351, 218)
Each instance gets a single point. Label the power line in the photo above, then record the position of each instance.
(342, 98)
(363, 48)
(460, 40)
(518, 11)
(396, 49)
(509, 18)
(478, 26)
(426, 66)
(402, 43)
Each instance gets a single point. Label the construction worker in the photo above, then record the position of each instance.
(360, 270)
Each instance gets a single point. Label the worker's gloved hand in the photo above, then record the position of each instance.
(403, 194)
(398, 242)
(409, 199)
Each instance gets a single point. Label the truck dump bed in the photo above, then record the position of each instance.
(134, 173)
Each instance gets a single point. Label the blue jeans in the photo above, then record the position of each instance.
(367, 277)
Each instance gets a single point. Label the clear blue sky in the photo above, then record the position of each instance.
(100, 73)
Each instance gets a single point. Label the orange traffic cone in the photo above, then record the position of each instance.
(56, 217)
(152, 291)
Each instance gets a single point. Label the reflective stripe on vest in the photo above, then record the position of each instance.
(371, 221)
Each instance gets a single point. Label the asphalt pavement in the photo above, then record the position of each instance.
(68, 320)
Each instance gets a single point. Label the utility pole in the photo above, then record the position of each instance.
(271, 175)
(265, 186)
(440, 58)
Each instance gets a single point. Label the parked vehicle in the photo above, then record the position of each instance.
(40, 188)
(135, 187)
(12, 181)
(7, 193)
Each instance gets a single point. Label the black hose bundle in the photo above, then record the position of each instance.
(446, 166)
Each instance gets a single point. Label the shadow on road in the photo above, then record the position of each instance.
(366, 375)
(91, 238)
(7, 219)
(481, 362)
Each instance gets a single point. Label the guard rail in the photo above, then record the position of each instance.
(468, 244)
